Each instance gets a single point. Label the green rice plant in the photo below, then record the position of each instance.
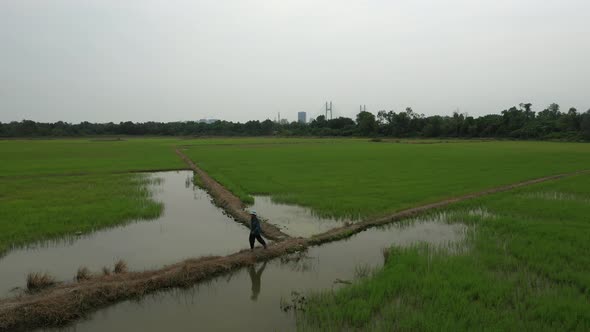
(359, 179)
(526, 268)
(82, 156)
(362, 271)
(33, 209)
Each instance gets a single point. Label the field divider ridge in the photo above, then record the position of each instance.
(67, 302)
(229, 202)
(71, 301)
(339, 233)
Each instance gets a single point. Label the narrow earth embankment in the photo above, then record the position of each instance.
(230, 202)
(346, 231)
(67, 302)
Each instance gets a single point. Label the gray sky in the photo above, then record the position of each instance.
(156, 60)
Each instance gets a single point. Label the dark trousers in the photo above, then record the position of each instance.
(257, 237)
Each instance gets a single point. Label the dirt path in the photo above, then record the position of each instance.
(68, 302)
(230, 202)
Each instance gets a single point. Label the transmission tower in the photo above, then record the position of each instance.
(329, 109)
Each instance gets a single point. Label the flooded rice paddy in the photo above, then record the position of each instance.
(190, 226)
(293, 220)
(251, 298)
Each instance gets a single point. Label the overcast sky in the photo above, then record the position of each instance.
(157, 60)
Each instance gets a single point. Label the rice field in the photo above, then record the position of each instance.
(522, 266)
(525, 268)
(50, 188)
(362, 179)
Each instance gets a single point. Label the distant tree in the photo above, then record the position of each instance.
(513, 119)
(366, 123)
(416, 122)
(319, 122)
(340, 123)
(387, 122)
(516, 122)
(529, 114)
(569, 121)
(27, 128)
(585, 125)
(490, 125)
(267, 127)
(456, 125)
(547, 119)
(433, 126)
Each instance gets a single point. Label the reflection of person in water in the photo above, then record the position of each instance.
(255, 278)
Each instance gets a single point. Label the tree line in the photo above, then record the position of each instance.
(518, 122)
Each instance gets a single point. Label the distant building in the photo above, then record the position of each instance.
(302, 117)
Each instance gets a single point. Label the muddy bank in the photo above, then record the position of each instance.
(259, 296)
(69, 302)
(230, 202)
(190, 225)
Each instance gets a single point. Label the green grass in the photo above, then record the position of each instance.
(40, 199)
(32, 209)
(526, 268)
(336, 177)
(345, 178)
(71, 156)
(51, 188)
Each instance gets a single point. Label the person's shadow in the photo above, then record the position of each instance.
(255, 278)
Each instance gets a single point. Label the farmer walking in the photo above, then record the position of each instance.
(255, 230)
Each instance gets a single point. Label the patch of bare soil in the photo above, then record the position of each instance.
(230, 202)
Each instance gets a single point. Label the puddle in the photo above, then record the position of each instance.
(251, 298)
(190, 226)
(293, 220)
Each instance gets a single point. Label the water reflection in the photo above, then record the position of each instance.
(329, 266)
(188, 182)
(255, 279)
(294, 220)
(190, 226)
(299, 261)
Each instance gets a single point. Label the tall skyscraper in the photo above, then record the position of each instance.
(302, 117)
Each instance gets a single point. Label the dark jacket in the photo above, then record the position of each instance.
(255, 226)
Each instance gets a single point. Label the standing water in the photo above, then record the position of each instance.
(251, 298)
(294, 220)
(190, 226)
